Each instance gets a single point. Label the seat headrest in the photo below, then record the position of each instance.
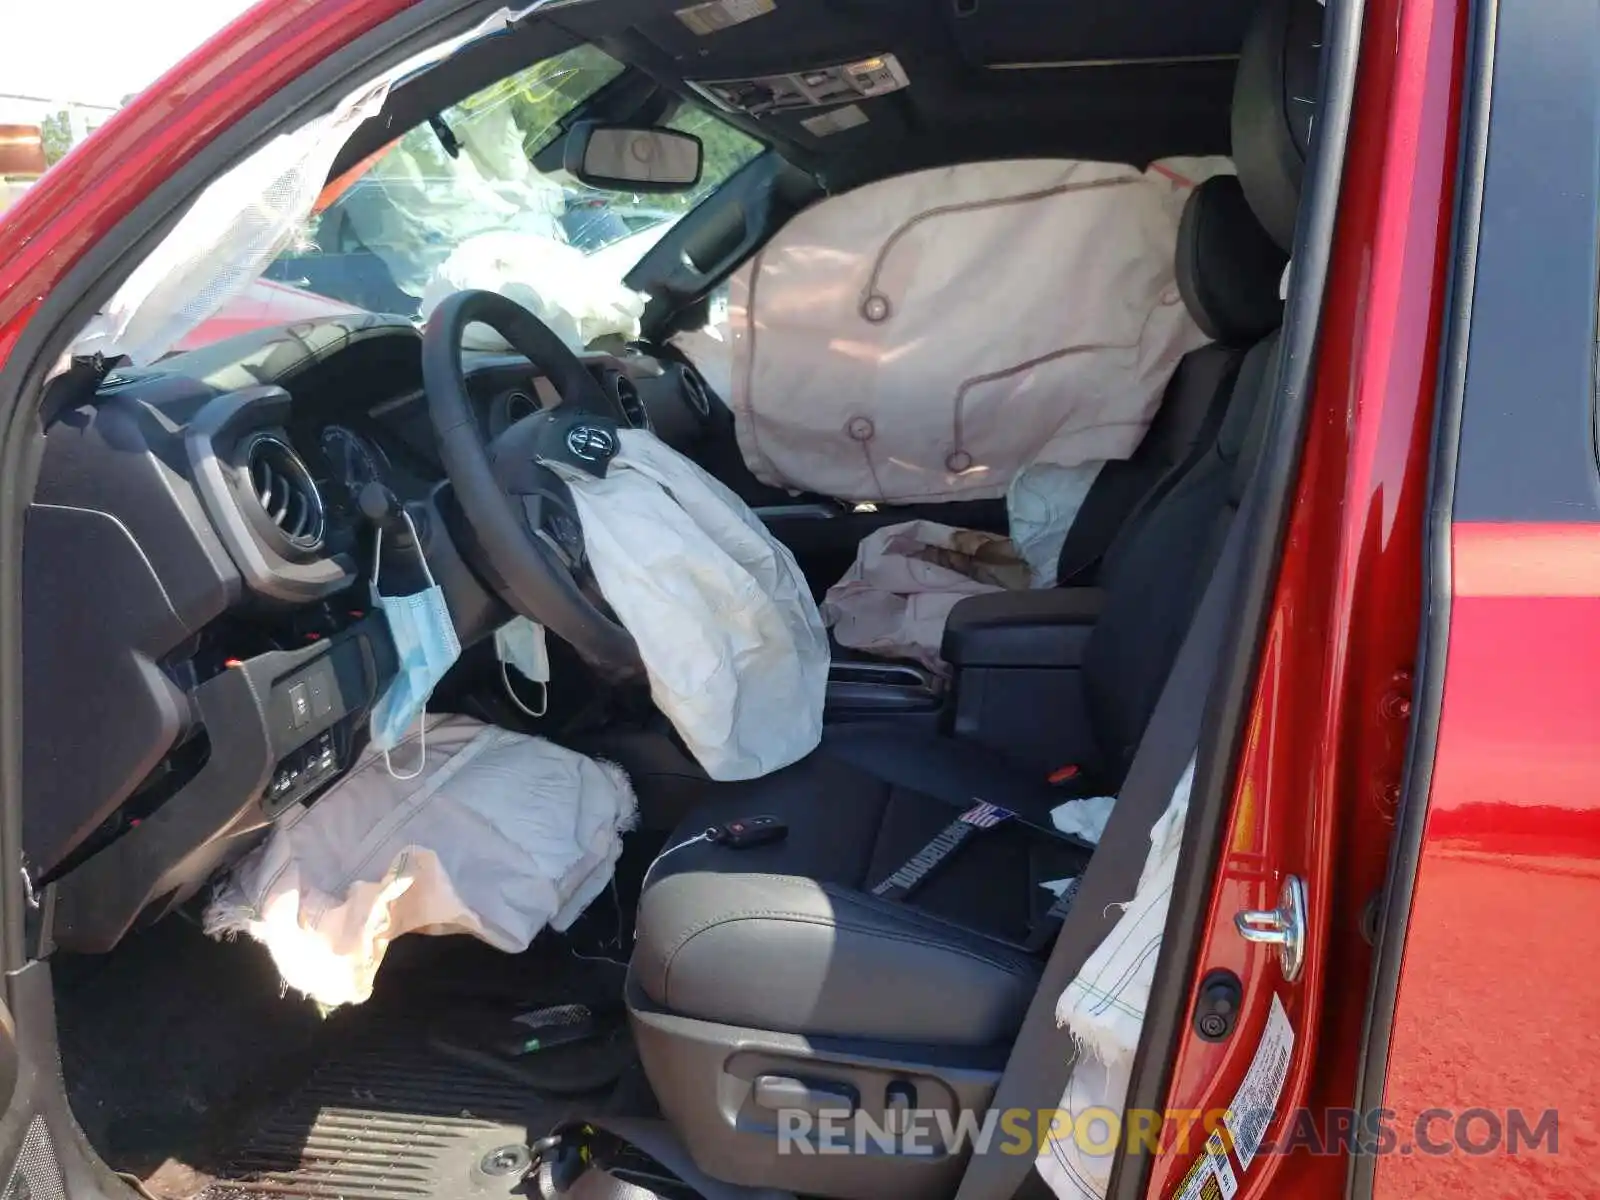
(1274, 106)
(1228, 268)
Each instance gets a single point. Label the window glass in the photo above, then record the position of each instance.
(454, 193)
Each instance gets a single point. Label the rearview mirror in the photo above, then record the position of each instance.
(633, 158)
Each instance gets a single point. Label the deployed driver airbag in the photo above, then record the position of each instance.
(731, 639)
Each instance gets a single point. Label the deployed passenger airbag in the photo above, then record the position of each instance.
(926, 337)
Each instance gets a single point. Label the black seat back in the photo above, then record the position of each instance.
(1191, 411)
(1158, 567)
(1156, 572)
(1227, 271)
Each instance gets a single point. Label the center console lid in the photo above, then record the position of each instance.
(1045, 628)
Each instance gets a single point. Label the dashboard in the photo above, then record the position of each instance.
(362, 416)
(201, 650)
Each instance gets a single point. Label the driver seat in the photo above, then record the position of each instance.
(771, 978)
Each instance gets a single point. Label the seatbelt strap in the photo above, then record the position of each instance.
(915, 870)
(1043, 1055)
(1114, 500)
(1108, 509)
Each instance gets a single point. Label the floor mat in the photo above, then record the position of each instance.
(385, 1120)
(174, 1034)
(500, 1043)
(192, 1070)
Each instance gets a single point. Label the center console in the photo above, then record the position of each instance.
(1017, 661)
(868, 690)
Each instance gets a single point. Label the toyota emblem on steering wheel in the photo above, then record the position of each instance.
(591, 443)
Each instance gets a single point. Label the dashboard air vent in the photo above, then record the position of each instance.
(629, 401)
(286, 492)
(519, 405)
(694, 391)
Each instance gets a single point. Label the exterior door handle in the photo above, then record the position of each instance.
(1283, 927)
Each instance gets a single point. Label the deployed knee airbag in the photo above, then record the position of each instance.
(497, 835)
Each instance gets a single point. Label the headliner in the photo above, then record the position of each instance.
(1125, 80)
(1114, 80)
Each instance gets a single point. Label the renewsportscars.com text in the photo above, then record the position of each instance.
(1434, 1131)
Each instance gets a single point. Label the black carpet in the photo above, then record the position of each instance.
(188, 1065)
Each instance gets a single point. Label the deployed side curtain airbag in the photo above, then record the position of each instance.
(498, 835)
(925, 338)
(243, 220)
(730, 637)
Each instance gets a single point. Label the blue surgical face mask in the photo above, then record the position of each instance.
(425, 643)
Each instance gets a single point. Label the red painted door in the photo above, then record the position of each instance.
(1321, 767)
(1485, 1040)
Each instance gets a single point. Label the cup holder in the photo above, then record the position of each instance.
(882, 688)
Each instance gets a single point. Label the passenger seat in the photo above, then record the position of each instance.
(1228, 272)
(1148, 580)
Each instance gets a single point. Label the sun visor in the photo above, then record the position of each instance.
(1039, 32)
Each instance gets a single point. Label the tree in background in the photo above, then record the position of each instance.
(56, 133)
(726, 148)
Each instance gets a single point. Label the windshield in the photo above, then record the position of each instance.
(457, 202)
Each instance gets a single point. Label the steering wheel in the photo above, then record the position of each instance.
(524, 529)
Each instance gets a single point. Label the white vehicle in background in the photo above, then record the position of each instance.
(472, 199)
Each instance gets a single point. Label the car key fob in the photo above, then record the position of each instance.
(743, 832)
